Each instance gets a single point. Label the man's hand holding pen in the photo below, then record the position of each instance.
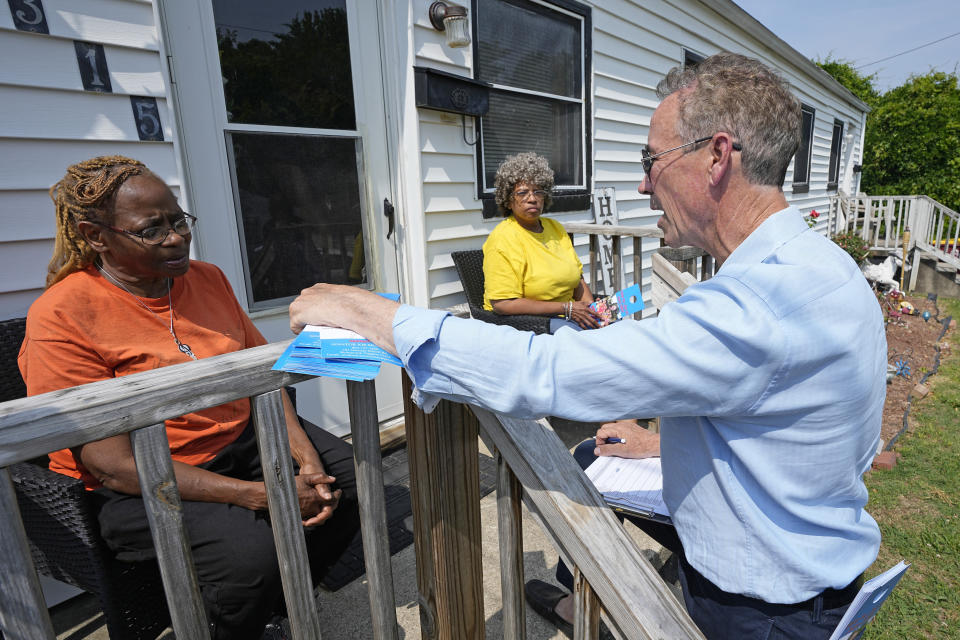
(626, 439)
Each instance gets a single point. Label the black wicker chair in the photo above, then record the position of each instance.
(59, 515)
(470, 269)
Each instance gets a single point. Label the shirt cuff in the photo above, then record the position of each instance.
(415, 334)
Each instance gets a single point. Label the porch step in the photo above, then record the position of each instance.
(936, 276)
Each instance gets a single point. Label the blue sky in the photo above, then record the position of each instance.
(863, 31)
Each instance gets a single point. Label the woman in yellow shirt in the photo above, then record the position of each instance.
(529, 265)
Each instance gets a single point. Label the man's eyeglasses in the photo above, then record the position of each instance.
(522, 194)
(156, 235)
(648, 159)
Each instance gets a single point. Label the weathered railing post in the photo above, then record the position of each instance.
(23, 614)
(586, 609)
(270, 426)
(362, 398)
(683, 258)
(638, 265)
(510, 530)
(158, 487)
(445, 494)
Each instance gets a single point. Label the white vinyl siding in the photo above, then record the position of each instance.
(49, 122)
(634, 45)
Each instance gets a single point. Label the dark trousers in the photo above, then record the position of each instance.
(721, 615)
(233, 548)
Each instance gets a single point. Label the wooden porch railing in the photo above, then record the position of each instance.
(610, 571)
(683, 258)
(879, 220)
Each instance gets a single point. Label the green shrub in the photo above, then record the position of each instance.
(853, 244)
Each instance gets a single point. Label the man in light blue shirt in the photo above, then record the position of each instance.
(769, 377)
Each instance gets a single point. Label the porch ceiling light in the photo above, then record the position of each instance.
(451, 19)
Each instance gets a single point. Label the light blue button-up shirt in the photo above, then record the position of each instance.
(770, 381)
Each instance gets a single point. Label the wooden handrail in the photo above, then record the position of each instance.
(633, 594)
(686, 257)
(138, 404)
(34, 426)
(612, 230)
(610, 569)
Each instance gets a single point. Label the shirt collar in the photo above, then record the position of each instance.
(772, 233)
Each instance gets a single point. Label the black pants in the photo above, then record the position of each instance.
(721, 615)
(233, 548)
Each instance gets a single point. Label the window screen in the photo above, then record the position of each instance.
(836, 144)
(801, 161)
(535, 55)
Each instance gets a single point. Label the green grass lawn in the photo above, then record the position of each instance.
(917, 505)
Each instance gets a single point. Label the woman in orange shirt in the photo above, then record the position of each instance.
(123, 296)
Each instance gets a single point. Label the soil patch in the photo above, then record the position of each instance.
(911, 348)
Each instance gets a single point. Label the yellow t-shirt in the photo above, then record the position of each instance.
(522, 264)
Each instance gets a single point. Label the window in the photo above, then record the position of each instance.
(836, 144)
(801, 161)
(692, 58)
(536, 56)
(292, 145)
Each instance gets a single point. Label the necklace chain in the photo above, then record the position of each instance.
(184, 348)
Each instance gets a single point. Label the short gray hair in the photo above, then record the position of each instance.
(526, 167)
(743, 97)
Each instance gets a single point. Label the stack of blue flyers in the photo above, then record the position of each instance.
(334, 353)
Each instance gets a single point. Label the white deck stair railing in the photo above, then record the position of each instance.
(882, 220)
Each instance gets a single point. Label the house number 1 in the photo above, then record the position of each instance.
(93, 66)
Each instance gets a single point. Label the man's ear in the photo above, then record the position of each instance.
(721, 153)
(93, 234)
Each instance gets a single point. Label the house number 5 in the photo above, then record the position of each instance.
(147, 116)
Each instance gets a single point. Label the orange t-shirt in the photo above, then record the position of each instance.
(85, 329)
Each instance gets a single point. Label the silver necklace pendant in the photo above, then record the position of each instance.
(185, 348)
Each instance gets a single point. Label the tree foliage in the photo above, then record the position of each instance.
(297, 78)
(844, 73)
(912, 140)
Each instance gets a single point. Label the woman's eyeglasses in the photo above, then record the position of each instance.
(647, 160)
(522, 194)
(156, 235)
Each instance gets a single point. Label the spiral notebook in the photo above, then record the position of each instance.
(633, 486)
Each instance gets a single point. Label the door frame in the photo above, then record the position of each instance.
(207, 184)
(188, 45)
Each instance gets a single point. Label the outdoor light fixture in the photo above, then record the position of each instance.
(452, 19)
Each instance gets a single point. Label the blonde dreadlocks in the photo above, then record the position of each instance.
(85, 193)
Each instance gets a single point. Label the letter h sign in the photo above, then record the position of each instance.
(605, 212)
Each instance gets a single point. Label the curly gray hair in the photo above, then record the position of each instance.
(526, 167)
(745, 98)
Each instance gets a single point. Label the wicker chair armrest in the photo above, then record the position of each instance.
(537, 324)
(57, 514)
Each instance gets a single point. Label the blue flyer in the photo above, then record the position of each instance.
(335, 353)
(620, 305)
(357, 349)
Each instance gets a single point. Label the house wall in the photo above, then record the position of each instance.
(48, 122)
(634, 45)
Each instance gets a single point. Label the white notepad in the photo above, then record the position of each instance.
(867, 601)
(631, 485)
